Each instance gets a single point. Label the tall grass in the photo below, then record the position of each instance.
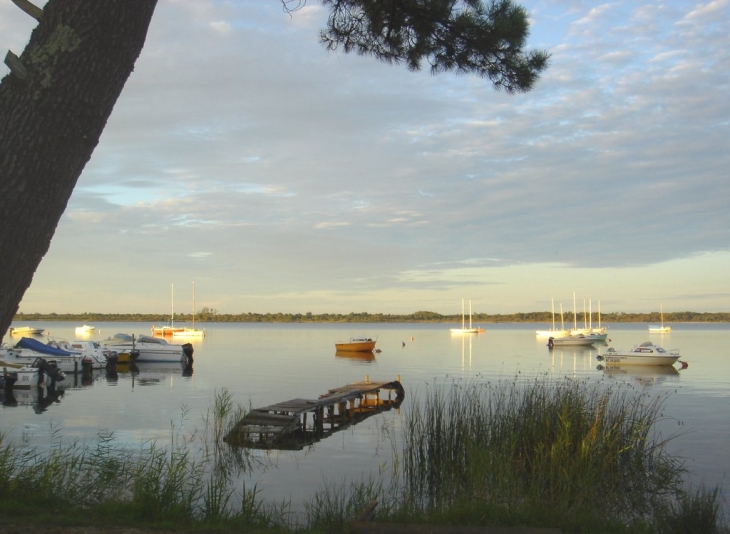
(576, 455)
(188, 483)
(570, 453)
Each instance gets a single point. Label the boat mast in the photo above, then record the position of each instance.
(193, 305)
(172, 304)
(462, 314)
(469, 313)
(552, 305)
(575, 317)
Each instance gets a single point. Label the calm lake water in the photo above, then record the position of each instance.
(262, 364)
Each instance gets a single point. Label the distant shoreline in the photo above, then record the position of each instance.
(417, 317)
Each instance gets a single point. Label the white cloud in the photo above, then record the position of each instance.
(302, 175)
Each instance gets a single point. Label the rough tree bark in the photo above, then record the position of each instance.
(54, 105)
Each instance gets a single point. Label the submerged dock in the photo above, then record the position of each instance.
(296, 423)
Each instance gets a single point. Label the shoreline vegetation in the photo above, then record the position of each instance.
(207, 315)
(570, 455)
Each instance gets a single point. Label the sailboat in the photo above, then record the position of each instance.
(464, 329)
(553, 332)
(190, 332)
(656, 329)
(168, 329)
(600, 329)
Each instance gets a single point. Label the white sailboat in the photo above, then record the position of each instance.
(190, 332)
(168, 329)
(575, 331)
(657, 329)
(464, 329)
(553, 332)
(600, 329)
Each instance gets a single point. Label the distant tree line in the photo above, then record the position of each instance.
(209, 315)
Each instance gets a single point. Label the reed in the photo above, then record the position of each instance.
(572, 454)
(580, 456)
(186, 484)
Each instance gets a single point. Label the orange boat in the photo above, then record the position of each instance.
(357, 344)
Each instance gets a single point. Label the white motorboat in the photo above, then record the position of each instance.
(40, 373)
(27, 350)
(85, 330)
(94, 353)
(646, 353)
(26, 331)
(150, 349)
(571, 341)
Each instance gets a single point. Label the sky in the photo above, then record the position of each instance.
(276, 176)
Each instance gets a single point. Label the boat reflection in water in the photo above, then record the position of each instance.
(365, 357)
(645, 375)
(41, 398)
(150, 373)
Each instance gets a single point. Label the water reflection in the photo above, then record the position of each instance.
(154, 373)
(298, 423)
(363, 357)
(645, 375)
(40, 398)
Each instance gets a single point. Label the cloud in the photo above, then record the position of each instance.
(304, 174)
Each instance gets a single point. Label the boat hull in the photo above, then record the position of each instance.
(189, 333)
(660, 329)
(149, 349)
(356, 345)
(26, 331)
(644, 354)
(466, 330)
(571, 341)
(617, 358)
(552, 333)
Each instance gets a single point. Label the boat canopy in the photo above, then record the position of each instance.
(39, 346)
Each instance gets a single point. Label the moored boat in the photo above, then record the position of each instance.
(571, 341)
(94, 353)
(39, 373)
(149, 349)
(27, 350)
(466, 329)
(660, 328)
(26, 331)
(553, 332)
(356, 344)
(85, 329)
(646, 353)
(189, 332)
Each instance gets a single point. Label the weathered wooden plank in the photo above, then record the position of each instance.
(272, 417)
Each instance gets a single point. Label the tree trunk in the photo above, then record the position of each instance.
(53, 109)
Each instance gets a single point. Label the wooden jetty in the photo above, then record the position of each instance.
(296, 423)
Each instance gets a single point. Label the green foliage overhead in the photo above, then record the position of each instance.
(466, 37)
